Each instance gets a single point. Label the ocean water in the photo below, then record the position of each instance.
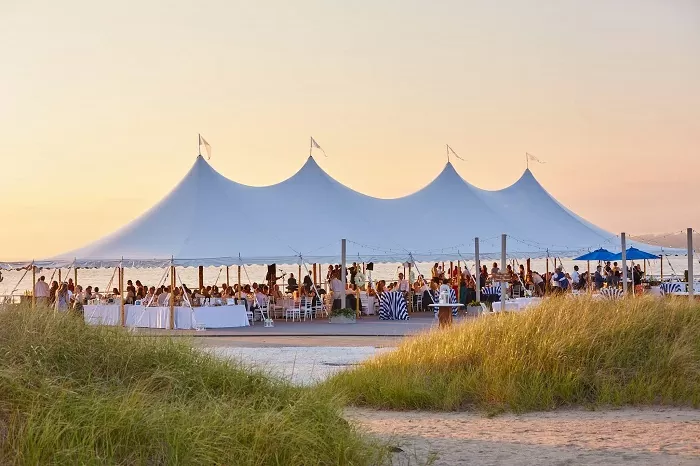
(106, 279)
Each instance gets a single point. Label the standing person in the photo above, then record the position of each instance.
(575, 279)
(41, 291)
(402, 284)
(71, 285)
(308, 281)
(62, 298)
(52, 293)
(337, 290)
(483, 276)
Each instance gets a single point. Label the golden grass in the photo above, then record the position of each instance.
(73, 394)
(565, 352)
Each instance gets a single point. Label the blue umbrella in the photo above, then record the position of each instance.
(634, 254)
(597, 255)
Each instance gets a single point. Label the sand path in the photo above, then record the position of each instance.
(618, 437)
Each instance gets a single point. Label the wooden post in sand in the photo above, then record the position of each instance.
(546, 276)
(227, 282)
(75, 276)
(477, 275)
(315, 276)
(59, 278)
(200, 274)
(691, 259)
(239, 283)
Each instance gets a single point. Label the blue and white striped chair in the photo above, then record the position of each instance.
(491, 293)
(612, 293)
(392, 306)
(671, 287)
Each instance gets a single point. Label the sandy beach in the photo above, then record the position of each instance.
(611, 437)
(629, 436)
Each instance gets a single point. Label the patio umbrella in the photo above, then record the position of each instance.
(634, 254)
(597, 255)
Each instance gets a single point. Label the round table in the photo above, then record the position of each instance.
(445, 312)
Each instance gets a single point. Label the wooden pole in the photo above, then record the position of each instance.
(227, 278)
(239, 282)
(623, 241)
(200, 273)
(59, 277)
(122, 307)
(315, 275)
(33, 286)
(477, 275)
(691, 287)
(546, 276)
(504, 285)
(172, 297)
(588, 265)
(662, 268)
(75, 277)
(343, 277)
(459, 281)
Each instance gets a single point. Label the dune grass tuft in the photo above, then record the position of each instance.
(74, 394)
(566, 352)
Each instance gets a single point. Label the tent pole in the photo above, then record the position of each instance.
(504, 261)
(691, 287)
(588, 275)
(122, 307)
(343, 277)
(623, 242)
(200, 273)
(75, 276)
(315, 275)
(239, 282)
(33, 286)
(662, 267)
(227, 282)
(172, 297)
(59, 277)
(299, 281)
(477, 275)
(459, 281)
(546, 277)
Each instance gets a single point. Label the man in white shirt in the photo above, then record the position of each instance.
(41, 291)
(575, 278)
(403, 284)
(337, 290)
(164, 297)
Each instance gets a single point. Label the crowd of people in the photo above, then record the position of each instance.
(68, 295)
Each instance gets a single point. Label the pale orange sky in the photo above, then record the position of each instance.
(101, 103)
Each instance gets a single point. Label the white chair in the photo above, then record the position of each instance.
(319, 309)
(419, 302)
(484, 308)
(305, 308)
(293, 313)
(251, 317)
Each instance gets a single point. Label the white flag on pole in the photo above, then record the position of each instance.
(314, 145)
(452, 151)
(532, 157)
(207, 147)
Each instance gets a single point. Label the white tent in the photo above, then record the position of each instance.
(206, 220)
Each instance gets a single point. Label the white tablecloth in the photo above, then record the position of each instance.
(159, 317)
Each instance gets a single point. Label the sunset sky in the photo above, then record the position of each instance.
(101, 103)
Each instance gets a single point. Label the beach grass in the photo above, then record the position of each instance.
(566, 352)
(77, 394)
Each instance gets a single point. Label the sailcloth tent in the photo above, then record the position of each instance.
(310, 212)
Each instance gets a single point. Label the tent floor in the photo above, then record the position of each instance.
(367, 326)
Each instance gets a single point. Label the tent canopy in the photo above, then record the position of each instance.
(597, 255)
(437, 222)
(634, 254)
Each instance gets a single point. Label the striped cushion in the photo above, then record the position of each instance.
(612, 293)
(667, 288)
(392, 306)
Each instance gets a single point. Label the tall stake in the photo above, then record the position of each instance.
(691, 287)
(477, 276)
(548, 281)
(239, 282)
(227, 282)
(623, 240)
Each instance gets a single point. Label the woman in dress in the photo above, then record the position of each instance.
(62, 298)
